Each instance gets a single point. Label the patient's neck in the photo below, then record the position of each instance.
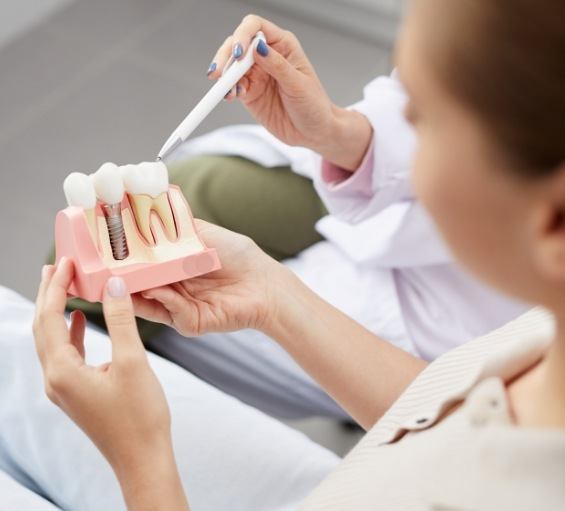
(538, 395)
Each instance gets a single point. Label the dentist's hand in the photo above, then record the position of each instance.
(243, 294)
(284, 94)
(119, 405)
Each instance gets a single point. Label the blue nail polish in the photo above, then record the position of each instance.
(262, 48)
(237, 51)
(212, 68)
(237, 89)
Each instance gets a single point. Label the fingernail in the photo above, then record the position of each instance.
(62, 262)
(116, 287)
(237, 89)
(262, 48)
(44, 272)
(212, 68)
(237, 51)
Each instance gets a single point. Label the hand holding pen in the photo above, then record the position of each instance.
(283, 93)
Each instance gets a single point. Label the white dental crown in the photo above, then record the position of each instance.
(79, 191)
(108, 183)
(147, 178)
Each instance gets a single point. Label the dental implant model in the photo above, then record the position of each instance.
(109, 188)
(128, 221)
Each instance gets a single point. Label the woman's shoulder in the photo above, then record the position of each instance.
(404, 474)
(504, 352)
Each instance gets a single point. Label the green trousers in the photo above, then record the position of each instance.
(275, 207)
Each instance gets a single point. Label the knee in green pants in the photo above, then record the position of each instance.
(275, 207)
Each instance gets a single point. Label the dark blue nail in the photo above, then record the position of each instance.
(262, 48)
(237, 51)
(212, 68)
(237, 89)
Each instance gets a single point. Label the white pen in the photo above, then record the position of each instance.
(233, 72)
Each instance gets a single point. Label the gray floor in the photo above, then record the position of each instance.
(107, 80)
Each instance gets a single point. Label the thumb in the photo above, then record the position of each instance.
(275, 65)
(120, 321)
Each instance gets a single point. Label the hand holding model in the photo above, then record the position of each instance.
(284, 94)
(119, 405)
(240, 295)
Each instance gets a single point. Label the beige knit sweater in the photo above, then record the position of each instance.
(475, 458)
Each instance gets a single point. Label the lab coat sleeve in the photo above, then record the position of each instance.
(383, 177)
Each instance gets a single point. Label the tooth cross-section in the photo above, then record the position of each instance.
(147, 185)
(142, 206)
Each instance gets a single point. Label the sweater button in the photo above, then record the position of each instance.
(417, 422)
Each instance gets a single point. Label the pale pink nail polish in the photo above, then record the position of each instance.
(116, 287)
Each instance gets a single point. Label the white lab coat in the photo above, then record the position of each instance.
(428, 299)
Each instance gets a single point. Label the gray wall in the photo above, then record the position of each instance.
(19, 15)
(375, 20)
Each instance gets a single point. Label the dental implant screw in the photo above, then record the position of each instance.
(118, 242)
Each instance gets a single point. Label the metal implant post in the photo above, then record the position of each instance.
(118, 242)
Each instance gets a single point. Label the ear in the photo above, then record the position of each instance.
(549, 229)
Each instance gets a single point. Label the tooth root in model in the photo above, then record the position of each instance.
(163, 208)
(79, 191)
(109, 187)
(147, 185)
(141, 206)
